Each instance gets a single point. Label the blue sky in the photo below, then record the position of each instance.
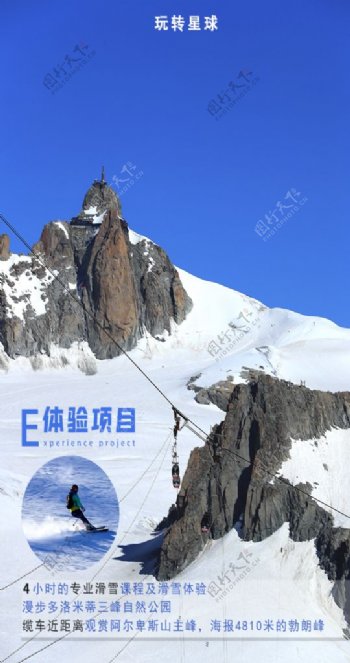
(142, 98)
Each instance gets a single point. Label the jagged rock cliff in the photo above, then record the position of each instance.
(4, 247)
(126, 287)
(262, 418)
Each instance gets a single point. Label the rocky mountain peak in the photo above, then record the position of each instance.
(127, 287)
(99, 199)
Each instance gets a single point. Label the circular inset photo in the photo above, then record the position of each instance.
(70, 513)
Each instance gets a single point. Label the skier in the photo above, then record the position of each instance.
(76, 507)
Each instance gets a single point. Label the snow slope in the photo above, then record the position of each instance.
(325, 463)
(284, 581)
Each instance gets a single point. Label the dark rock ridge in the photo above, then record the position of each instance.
(127, 288)
(219, 394)
(261, 419)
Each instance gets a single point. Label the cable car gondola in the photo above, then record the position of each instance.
(206, 523)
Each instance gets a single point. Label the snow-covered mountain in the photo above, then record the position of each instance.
(87, 281)
(220, 336)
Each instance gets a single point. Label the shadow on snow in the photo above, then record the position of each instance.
(146, 552)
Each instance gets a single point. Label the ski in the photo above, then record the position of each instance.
(98, 529)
